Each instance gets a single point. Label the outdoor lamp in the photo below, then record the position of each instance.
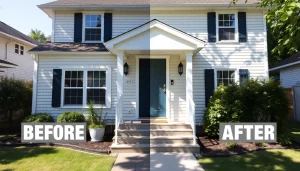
(180, 69)
(126, 68)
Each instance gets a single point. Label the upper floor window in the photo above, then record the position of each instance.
(19, 49)
(93, 28)
(227, 27)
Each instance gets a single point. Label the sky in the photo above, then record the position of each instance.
(24, 15)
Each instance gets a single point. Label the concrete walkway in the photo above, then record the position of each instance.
(156, 162)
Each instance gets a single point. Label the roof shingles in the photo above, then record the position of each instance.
(15, 33)
(294, 58)
(70, 47)
(143, 2)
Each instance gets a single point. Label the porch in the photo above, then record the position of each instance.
(155, 80)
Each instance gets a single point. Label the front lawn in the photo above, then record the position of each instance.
(270, 160)
(49, 158)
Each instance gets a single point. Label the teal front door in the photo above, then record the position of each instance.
(152, 88)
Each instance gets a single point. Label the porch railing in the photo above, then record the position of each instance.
(119, 117)
(191, 116)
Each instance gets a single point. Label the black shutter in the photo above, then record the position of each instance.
(209, 75)
(244, 75)
(242, 27)
(211, 26)
(78, 27)
(107, 26)
(56, 87)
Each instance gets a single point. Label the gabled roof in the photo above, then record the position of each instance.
(293, 60)
(6, 29)
(5, 64)
(142, 2)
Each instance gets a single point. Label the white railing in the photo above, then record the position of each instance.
(119, 117)
(191, 116)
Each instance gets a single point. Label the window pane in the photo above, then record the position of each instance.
(67, 83)
(22, 52)
(221, 17)
(226, 16)
(232, 17)
(231, 74)
(232, 23)
(80, 74)
(226, 23)
(22, 47)
(226, 34)
(225, 82)
(92, 34)
(74, 74)
(96, 95)
(219, 74)
(219, 81)
(68, 74)
(16, 46)
(73, 97)
(225, 74)
(221, 23)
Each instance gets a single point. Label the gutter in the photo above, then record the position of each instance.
(12, 37)
(284, 66)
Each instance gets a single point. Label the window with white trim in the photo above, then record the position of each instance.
(225, 77)
(19, 49)
(227, 27)
(82, 86)
(96, 87)
(73, 88)
(93, 27)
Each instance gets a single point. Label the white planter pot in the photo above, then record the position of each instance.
(96, 134)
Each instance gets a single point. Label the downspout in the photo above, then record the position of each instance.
(6, 49)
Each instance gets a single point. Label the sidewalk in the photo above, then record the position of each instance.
(156, 162)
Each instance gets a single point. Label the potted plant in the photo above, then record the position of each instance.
(95, 123)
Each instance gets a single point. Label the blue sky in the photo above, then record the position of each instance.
(24, 15)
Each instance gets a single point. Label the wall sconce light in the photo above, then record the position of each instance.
(180, 69)
(126, 68)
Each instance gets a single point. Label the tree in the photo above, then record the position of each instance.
(283, 19)
(38, 35)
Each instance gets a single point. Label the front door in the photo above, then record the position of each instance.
(152, 88)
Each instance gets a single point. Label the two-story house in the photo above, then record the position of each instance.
(14, 47)
(144, 60)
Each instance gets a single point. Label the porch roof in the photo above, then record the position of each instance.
(154, 36)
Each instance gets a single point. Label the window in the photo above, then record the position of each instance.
(16, 48)
(227, 77)
(227, 27)
(73, 89)
(81, 87)
(93, 27)
(19, 49)
(96, 87)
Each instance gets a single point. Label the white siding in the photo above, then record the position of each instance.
(24, 70)
(249, 55)
(46, 65)
(290, 76)
(64, 27)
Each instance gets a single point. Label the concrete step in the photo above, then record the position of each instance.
(155, 140)
(146, 148)
(136, 126)
(155, 132)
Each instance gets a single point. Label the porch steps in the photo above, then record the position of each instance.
(154, 137)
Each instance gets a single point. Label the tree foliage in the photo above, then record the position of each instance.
(38, 35)
(283, 19)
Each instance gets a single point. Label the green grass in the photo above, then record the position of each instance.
(49, 158)
(293, 130)
(270, 160)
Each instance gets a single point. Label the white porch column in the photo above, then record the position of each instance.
(189, 78)
(120, 76)
(34, 85)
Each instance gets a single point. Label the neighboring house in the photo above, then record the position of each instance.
(14, 47)
(289, 71)
(5, 64)
(141, 61)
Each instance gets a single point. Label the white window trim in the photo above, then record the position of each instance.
(84, 100)
(236, 27)
(102, 26)
(236, 74)
(19, 49)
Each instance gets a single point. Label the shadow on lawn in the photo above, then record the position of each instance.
(258, 161)
(11, 155)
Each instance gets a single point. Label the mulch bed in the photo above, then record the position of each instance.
(93, 147)
(215, 148)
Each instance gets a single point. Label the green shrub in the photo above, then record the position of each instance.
(284, 140)
(15, 97)
(41, 117)
(71, 117)
(260, 144)
(231, 144)
(254, 101)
